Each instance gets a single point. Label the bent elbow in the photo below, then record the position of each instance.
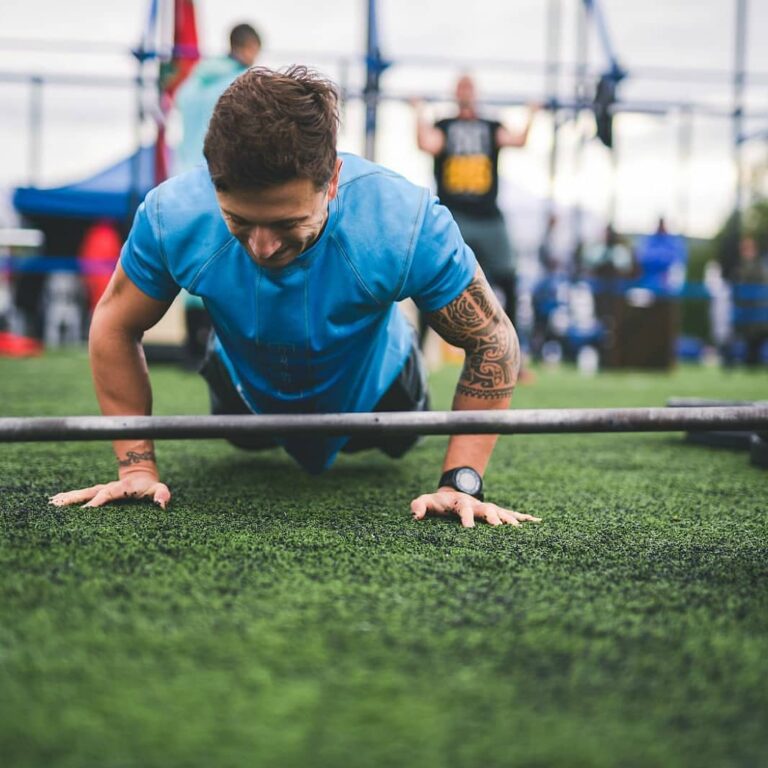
(106, 329)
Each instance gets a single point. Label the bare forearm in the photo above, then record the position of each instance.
(499, 377)
(424, 134)
(122, 386)
(477, 323)
(527, 129)
(507, 138)
(428, 138)
(471, 450)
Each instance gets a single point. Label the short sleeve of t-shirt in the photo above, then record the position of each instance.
(442, 266)
(143, 261)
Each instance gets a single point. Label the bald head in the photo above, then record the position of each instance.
(465, 92)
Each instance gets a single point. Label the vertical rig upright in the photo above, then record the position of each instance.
(739, 81)
(374, 66)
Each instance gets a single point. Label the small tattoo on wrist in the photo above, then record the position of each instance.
(134, 457)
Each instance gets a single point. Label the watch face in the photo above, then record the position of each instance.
(467, 481)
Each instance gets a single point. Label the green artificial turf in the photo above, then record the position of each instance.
(269, 618)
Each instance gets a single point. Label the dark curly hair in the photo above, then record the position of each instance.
(270, 127)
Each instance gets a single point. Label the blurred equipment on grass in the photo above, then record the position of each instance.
(756, 442)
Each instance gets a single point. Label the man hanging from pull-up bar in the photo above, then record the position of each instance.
(466, 151)
(300, 256)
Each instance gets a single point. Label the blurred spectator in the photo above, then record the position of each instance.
(751, 299)
(466, 151)
(548, 289)
(195, 100)
(609, 264)
(611, 258)
(720, 308)
(63, 302)
(549, 260)
(199, 93)
(661, 259)
(28, 302)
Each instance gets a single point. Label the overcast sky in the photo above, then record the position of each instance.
(87, 128)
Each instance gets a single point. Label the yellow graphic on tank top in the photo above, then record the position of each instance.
(467, 174)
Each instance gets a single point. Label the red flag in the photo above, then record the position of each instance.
(186, 54)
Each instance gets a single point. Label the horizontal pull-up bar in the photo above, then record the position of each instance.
(565, 420)
(450, 62)
(659, 108)
(624, 106)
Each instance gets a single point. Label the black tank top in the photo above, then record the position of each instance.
(467, 171)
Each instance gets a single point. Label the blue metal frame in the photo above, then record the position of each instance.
(374, 66)
(594, 10)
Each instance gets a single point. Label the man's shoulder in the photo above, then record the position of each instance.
(355, 168)
(183, 197)
(374, 199)
(184, 215)
(363, 182)
(381, 213)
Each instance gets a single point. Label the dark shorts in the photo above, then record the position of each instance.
(408, 392)
(488, 238)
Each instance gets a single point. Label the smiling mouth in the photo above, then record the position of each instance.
(276, 260)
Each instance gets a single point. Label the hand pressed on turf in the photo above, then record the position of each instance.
(136, 485)
(467, 508)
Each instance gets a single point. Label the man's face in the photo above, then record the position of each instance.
(277, 224)
(247, 53)
(465, 92)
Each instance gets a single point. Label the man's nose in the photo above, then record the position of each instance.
(264, 242)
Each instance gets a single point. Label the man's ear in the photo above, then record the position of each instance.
(333, 184)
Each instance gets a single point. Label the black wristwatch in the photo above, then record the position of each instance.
(464, 479)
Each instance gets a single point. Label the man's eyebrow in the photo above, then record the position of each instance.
(289, 220)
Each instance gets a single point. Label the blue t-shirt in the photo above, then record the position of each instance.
(324, 334)
(656, 255)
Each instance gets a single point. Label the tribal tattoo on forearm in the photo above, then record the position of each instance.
(476, 322)
(134, 457)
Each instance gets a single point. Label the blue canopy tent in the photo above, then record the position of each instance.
(113, 193)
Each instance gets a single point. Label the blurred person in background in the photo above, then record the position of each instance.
(610, 258)
(661, 260)
(750, 292)
(547, 289)
(195, 101)
(199, 93)
(607, 264)
(466, 151)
